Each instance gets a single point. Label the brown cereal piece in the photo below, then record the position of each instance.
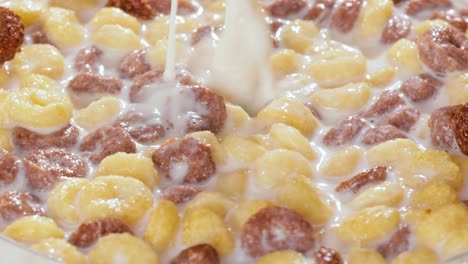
(93, 83)
(45, 167)
(327, 256)
(460, 121)
(276, 228)
(198, 254)
(11, 34)
(134, 64)
(387, 101)
(403, 118)
(185, 7)
(398, 1)
(346, 16)
(213, 117)
(320, 10)
(374, 175)
(442, 127)
(421, 87)
(397, 27)
(415, 7)
(87, 59)
(14, 204)
(180, 193)
(38, 36)
(284, 8)
(89, 232)
(136, 90)
(188, 153)
(345, 131)
(144, 9)
(25, 139)
(398, 243)
(139, 128)
(106, 141)
(454, 20)
(382, 133)
(9, 167)
(443, 49)
(204, 32)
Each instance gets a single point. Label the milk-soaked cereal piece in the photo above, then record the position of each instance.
(114, 36)
(421, 87)
(417, 6)
(434, 195)
(163, 225)
(375, 15)
(114, 196)
(456, 243)
(290, 112)
(338, 66)
(99, 112)
(63, 28)
(122, 246)
(326, 255)
(198, 254)
(233, 184)
(204, 226)
(93, 83)
(403, 118)
(45, 168)
(90, 231)
(276, 167)
(454, 20)
(404, 54)
(386, 101)
(443, 50)
(61, 204)
(299, 35)
(25, 139)
(346, 15)
(284, 8)
(288, 137)
(370, 176)
(397, 27)
(382, 133)
(456, 88)
(342, 161)
(114, 16)
(180, 193)
(282, 256)
(185, 160)
(213, 201)
(141, 128)
(386, 193)
(345, 131)
(9, 167)
(44, 59)
(131, 165)
(242, 149)
(14, 205)
(368, 225)
(299, 189)
(134, 64)
(32, 229)
(11, 34)
(144, 9)
(320, 10)
(29, 11)
(87, 59)
(448, 127)
(276, 228)
(438, 225)
(351, 96)
(213, 117)
(398, 243)
(60, 250)
(106, 141)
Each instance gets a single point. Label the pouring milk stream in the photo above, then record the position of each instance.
(240, 67)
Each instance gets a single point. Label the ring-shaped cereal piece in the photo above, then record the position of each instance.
(121, 197)
(38, 108)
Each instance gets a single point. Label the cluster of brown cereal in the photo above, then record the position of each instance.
(362, 160)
